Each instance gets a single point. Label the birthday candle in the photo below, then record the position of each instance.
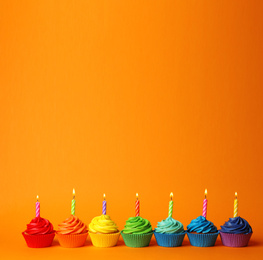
(37, 208)
(235, 206)
(137, 206)
(205, 205)
(73, 203)
(171, 203)
(104, 205)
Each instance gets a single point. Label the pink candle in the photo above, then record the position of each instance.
(205, 205)
(137, 206)
(37, 208)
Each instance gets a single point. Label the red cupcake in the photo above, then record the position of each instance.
(39, 233)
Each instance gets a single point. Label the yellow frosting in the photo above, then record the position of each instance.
(102, 224)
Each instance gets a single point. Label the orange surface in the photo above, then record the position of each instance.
(120, 97)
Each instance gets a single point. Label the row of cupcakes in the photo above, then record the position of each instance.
(137, 231)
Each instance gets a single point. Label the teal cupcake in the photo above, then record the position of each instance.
(137, 232)
(201, 232)
(169, 233)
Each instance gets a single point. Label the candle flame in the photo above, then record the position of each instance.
(171, 195)
(37, 197)
(236, 195)
(205, 192)
(137, 196)
(73, 193)
(104, 196)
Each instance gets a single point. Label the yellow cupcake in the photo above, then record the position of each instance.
(103, 231)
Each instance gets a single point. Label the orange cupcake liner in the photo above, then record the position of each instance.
(74, 240)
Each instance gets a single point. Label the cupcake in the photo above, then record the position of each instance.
(72, 232)
(39, 233)
(236, 232)
(137, 232)
(103, 231)
(169, 233)
(201, 232)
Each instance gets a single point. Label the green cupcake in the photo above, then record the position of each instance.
(137, 232)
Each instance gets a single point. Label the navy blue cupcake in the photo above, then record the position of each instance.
(236, 232)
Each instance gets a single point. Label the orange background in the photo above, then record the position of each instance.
(120, 97)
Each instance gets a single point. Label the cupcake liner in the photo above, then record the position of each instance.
(104, 240)
(168, 239)
(137, 240)
(235, 240)
(38, 241)
(202, 239)
(74, 240)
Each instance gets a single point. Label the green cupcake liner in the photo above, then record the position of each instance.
(137, 240)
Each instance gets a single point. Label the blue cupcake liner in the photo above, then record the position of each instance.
(169, 239)
(202, 239)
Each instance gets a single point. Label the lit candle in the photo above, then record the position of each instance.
(73, 203)
(104, 205)
(205, 205)
(137, 206)
(235, 206)
(37, 208)
(171, 205)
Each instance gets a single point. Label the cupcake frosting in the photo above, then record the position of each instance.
(72, 225)
(39, 226)
(169, 225)
(137, 225)
(103, 224)
(236, 225)
(201, 225)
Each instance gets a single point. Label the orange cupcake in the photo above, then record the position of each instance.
(72, 232)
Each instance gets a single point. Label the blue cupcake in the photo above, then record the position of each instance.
(201, 232)
(169, 233)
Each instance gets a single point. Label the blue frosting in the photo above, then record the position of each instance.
(236, 225)
(201, 225)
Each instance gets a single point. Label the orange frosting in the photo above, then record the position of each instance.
(72, 225)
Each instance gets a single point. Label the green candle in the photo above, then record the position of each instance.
(171, 205)
(73, 202)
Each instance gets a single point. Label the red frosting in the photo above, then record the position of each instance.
(39, 226)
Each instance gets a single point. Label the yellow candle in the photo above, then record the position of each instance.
(235, 206)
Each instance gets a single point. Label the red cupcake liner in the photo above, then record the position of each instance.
(235, 240)
(76, 240)
(39, 241)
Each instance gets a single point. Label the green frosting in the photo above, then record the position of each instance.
(137, 225)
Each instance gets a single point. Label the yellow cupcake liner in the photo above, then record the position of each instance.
(104, 240)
